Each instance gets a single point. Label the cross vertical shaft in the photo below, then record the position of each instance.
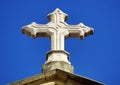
(57, 41)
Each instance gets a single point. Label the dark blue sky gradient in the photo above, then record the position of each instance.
(96, 57)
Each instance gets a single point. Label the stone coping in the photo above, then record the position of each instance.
(56, 75)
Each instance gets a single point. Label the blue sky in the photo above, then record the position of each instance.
(96, 57)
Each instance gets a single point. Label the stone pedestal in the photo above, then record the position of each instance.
(57, 59)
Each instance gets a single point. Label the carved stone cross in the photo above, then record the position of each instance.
(57, 30)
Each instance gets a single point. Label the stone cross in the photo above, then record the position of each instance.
(57, 30)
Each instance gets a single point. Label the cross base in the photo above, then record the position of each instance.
(57, 55)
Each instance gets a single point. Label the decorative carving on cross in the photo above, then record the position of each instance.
(57, 30)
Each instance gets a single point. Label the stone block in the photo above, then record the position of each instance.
(57, 65)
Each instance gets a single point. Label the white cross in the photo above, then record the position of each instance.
(57, 30)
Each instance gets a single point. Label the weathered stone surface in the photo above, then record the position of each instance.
(57, 65)
(56, 77)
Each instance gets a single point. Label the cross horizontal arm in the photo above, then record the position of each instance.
(36, 30)
(79, 30)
